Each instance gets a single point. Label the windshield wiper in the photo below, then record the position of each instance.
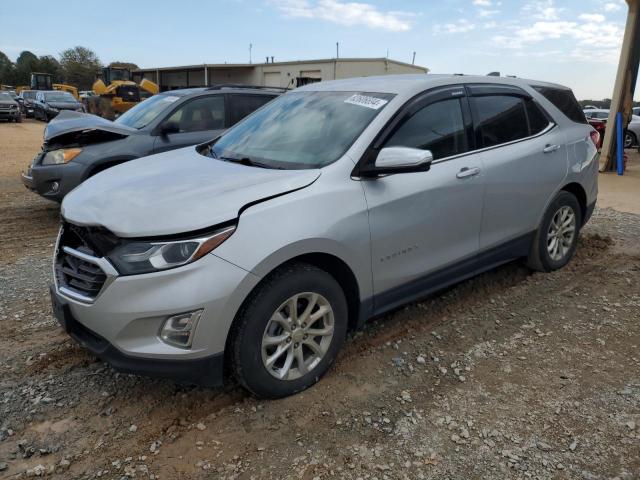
(247, 161)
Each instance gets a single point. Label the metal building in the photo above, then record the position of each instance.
(273, 74)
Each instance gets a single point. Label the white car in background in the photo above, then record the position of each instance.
(631, 136)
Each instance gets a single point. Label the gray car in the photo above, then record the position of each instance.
(256, 253)
(79, 145)
(9, 108)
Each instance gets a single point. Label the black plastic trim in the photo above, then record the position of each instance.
(206, 372)
(447, 276)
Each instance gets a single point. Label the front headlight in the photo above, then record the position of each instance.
(137, 257)
(50, 108)
(56, 157)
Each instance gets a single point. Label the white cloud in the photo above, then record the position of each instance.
(346, 13)
(592, 17)
(482, 3)
(612, 7)
(542, 10)
(487, 13)
(461, 26)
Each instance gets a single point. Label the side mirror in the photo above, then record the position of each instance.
(168, 128)
(392, 160)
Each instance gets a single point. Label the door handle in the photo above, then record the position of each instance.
(467, 172)
(551, 148)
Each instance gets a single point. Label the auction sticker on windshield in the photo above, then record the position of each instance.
(366, 101)
(170, 98)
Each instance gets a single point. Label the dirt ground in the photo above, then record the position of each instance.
(508, 375)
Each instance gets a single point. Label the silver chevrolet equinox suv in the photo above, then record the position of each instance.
(254, 254)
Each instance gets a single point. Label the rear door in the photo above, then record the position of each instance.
(524, 156)
(198, 120)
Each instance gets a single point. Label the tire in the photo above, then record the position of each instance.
(255, 324)
(19, 119)
(545, 254)
(629, 139)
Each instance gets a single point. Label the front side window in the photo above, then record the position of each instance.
(146, 112)
(204, 113)
(499, 119)
(302, 129)
(438, 127)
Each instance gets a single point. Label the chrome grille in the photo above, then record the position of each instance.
(79, 275)
(80, 269)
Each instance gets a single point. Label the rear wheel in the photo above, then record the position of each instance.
(289, 331)
(629, 139)
(557, 237)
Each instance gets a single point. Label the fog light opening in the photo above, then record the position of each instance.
(178, 330)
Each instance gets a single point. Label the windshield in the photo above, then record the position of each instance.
(301, 129)
(146, 112)
(59, 97)
(5, 97)
(29, 94)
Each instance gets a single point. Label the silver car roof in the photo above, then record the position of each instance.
(407, 84)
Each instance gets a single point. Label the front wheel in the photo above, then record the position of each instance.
(629, 139)
(556, 239)
(289, 332)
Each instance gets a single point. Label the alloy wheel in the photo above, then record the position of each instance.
(297, 336)
(561, 233)
(628, 140)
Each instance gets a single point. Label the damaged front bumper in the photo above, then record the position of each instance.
(52, 182)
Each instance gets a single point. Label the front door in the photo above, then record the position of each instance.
(423, 222)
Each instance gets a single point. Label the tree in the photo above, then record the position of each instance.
(7, 70)
(48, 64)
(79, 67)
(128, 65)
(26, 63)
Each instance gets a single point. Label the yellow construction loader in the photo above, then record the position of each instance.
(44, 81)
(116, 92)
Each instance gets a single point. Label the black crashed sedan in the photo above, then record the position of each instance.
(49, 103)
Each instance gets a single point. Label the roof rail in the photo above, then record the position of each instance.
(251, 87)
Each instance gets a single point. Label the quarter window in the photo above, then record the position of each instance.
(204, 113)
(438, 127)
(499, 119)
(565, 101)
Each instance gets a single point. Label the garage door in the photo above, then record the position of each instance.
(271, 79)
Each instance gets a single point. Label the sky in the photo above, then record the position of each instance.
(572, 42)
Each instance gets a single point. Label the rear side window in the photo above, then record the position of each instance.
(538, 121)
(499, 119)
(242, 105)
(564, 101)
(438, 127)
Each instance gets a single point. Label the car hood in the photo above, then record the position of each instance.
(175, 192)
(64, 105)
(68, 126)
(8, 102)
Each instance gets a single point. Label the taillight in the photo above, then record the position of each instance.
(595, 137)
